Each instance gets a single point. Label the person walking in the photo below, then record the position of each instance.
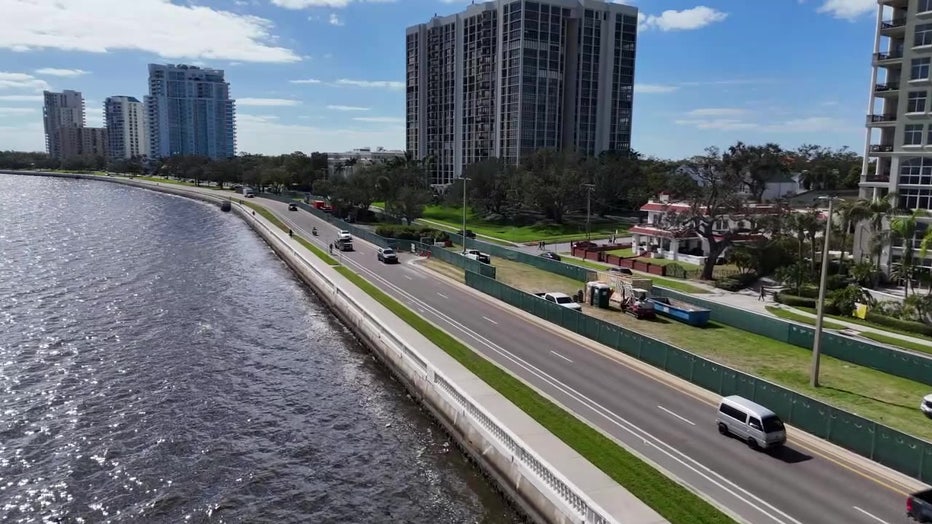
(331, 248)
(291, 233)
(763, 294)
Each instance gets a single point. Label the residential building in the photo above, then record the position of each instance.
(508, 77)
(347, 162)
(82, 141)
(899, 120)
(127, 134)
(63, 110)
(780, 186)
(189, 112)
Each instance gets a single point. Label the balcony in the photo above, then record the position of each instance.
(893, 26)
(890, 57)
(881, 148)
(881, 119)
(894, 3)
(878, 178)
(886, 89)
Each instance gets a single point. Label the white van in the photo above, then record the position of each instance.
(750, 422)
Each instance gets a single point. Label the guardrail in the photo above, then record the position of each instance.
(560, 487)
(907, 454)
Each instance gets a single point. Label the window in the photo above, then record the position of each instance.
(924, 6)
(754, 423)
(912, 135)
(916, 103)
(733, 412)
(772, 423)
(920, 68)
(923, 35)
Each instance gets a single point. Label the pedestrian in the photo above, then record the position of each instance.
(291, 233)
(763, 294)
(331, 248)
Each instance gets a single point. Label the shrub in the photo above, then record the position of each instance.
(793, 300)
(407, 232)
(903, 325)
(736, 282)
(809, 292)
(833, 282)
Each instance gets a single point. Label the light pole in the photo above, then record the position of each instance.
(820, 305)
(589, 189)
(463, 232)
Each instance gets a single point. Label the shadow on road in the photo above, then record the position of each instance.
(788, 455)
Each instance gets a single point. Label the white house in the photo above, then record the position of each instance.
(781, 186)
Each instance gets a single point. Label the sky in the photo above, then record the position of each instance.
(328, 75)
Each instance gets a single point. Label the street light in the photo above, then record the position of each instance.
(463, 232)
(820, 305)
(589, 189)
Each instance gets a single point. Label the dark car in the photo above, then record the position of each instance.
(622, 270)
(551, 255)
(469, 233)
(387, 255)
(292, 207)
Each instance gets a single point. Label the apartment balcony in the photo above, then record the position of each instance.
(881, 120)
(880, 149)
(893, 27)
(877, 178)
(901, 4)
(888, 58)
(886, 90)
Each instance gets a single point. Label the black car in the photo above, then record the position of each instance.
(551, 255)
(292, 207)
(469, 233)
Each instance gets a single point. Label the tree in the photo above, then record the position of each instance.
(851, 212)
(905, 228)
(490, 182)
(757, 166)
(553, 182)
(879, 210)
(826, 168)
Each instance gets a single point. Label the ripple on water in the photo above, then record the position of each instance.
(158, 363)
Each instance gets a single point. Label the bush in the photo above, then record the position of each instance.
(833, 282)
(408, 232)
(809, 292)
(793, 300)
(736, 282)
(903, 325)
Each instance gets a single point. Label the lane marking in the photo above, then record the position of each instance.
(561, 356)
(442, 295)
(686, 420)
(409, 277)
(875, 517)
(490, 320)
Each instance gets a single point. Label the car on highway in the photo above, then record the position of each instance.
(292, 207)
(926, 405)
(344, 235)
(469, 233)
(387, 255)
(551, 255)
(750, 422)
(475, 254)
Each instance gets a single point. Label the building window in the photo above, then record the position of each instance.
(912, 135)
(924, 6)
(923, 35)
(920, 68)
(916, 103)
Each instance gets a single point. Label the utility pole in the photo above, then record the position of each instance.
(589, 189)
(463, 232)
(817, 338)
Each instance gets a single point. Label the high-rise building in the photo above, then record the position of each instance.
(190, 112)
(61, 110)
(127, 134)
(899, 119)
(508, 77)
(82, 142)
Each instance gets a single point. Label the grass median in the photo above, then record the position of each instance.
(674, 502)
(891, 400)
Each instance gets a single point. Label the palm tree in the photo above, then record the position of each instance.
(851, 212)
(905, 227)
(879, 209)
(809, 223)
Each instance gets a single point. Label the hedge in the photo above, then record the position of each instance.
(896, 323)
(408, 232)
(736, 282)
(793, 300)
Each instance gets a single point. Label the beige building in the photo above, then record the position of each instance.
(127, 132)
(82, 141)
(63, 110)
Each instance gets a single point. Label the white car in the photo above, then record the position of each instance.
(345, 235)
(926, 405)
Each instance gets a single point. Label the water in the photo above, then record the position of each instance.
(158, 363)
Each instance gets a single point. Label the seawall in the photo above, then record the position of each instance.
(548, 480)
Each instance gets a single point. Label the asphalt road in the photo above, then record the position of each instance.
(666, 426)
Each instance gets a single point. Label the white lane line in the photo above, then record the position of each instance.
(490, 320)
(751, 500)
(561, 356)
(686, 420)
(878, 519)
(409, 277)
(442, 295)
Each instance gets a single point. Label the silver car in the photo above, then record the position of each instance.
(750, 422)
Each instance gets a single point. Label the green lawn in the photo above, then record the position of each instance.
(669, 283)
(862, 322)
(671, 500)
(877, 337)
(802, 319)
(628, 252)
(452, 218)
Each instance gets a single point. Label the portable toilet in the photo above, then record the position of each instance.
(599, 294)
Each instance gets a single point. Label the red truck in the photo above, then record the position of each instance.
(323, 206)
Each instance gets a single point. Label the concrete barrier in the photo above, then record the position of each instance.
(546, 478)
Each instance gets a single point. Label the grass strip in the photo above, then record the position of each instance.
(862, 322)
(266, 214)
(877, 337)
(674, 502)
(803, 319)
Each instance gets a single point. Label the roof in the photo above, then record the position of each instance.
(679, 207)
(749, 405)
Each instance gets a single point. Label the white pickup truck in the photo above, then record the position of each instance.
(475, 254)
(561, 299)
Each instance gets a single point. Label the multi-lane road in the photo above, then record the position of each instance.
(665, 425)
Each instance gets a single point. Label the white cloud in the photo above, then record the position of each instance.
(670, 20)
(51, 71)
(156, 26)
(21, 98)
(848, 9)
(266, 102)
(384, 84)
(17, 110)
(302, 4)
(305, 81)
(347, 108)
(335, 20)
(266, 136)
(380, 119)
(730, 119)
(720, 124)
(654, 88)
(22, 81)
(94, 115)
(813, 124)
(718, 112)
(26, 137)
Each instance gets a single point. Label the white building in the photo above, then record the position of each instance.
(127, 132)
(506, 78)
(780, 187)
(899, 120)
(345, 163)
(63, 110)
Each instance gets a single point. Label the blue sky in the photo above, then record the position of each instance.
(328, 75)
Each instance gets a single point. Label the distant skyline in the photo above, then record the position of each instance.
(328, 75)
